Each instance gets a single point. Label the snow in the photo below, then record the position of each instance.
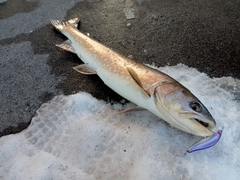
(80, 137)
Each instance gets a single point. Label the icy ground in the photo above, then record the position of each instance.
(80, 137)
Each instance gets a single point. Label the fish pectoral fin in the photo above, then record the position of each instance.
(134, 76)
(137, 80)
(66, 45)
(84, 69)
(135, 108)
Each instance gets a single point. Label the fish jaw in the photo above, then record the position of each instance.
(182, 110)
(185, 124)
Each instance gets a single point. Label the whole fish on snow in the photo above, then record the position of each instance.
(140, 84)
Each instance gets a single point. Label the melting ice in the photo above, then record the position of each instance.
(80, 137)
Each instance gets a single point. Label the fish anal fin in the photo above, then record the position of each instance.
(66, 45)
(137, 80)
(85, 69)
(135, 108)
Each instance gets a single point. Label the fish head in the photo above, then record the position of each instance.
(183, 110)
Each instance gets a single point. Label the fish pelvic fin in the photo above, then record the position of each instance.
(66, 45)
(60, 25)
(85, 69)
(135, 108)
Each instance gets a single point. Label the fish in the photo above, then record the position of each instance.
(146, 87)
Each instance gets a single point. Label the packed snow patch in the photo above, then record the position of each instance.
(80, 137)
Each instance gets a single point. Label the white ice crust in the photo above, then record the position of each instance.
(80, 137)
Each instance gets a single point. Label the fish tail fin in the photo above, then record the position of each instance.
(60, 25)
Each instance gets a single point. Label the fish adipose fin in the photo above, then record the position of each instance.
(85, 69)
(137, 80)
(59, 25)
(135, 108)
(66, 45)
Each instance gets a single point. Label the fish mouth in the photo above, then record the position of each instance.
(208, 123)
(205, 124)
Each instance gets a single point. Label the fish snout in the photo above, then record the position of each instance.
(188, 112)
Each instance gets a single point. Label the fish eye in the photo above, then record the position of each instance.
(195, 106)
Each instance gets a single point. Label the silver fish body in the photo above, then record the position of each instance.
(140, 84)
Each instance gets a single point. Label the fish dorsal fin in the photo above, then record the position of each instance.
(137, 80)
(85, 69)
(66, 45)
